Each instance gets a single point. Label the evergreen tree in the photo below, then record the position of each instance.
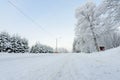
(19, 45)
(39, 48)
(5, 44)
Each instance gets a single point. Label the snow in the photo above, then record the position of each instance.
(95, 66)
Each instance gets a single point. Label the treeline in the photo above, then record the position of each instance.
(39, 48)
(17, 44)
(13, 44)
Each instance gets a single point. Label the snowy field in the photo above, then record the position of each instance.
(96, 66)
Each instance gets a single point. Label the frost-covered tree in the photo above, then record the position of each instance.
(97, 26)
(111, 40)
(76, 46)
(4, 42)
(85, 28)
(39, 48)
(109, 11)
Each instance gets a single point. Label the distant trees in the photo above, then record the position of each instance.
(39, 48)
(62, 50)
(12, 44)
(97, 26)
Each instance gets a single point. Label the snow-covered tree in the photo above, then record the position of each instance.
(76, 46)
(110, 15)
(97, 26)
(4, 42)
(111, 40)
(19, 45)
(25, 47)
(109, 11)
(39, 48)
(85, 28)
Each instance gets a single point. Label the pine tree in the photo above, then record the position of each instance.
(19, 45)
(4, 42)
(39, 48)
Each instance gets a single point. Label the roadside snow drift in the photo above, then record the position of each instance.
(96, 66)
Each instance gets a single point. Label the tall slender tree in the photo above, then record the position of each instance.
(85, 29)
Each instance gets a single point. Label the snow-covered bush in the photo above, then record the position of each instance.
(39, 48)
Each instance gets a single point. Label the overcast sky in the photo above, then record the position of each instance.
(56, 17)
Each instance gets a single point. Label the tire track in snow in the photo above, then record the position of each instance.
(66, 71)
(78, 70)
(58, 73)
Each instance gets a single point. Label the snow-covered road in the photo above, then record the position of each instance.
(102, 66)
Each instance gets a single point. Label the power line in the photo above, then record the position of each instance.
(32, 20)
(28, 17)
